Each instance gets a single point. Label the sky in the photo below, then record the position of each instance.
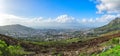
(58, 13)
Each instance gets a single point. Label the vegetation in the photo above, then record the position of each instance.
(110, 33)
(10, 50)
(85, 44)
(112, 51)
(56, 43)
(114, 25)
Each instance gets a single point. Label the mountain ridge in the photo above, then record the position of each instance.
(16, 29)
(114, 25)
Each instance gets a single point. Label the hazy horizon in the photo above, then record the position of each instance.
(58, 13)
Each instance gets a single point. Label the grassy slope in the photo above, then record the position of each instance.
(114, 25)
(113, 51)
(110, 33)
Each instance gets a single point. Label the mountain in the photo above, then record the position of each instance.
(90, 46)
(35, 48)
(114, 25)
(20, 31)
(13, 30)
(16, 27)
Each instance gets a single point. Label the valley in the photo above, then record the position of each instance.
(90, 42)
(59, 27)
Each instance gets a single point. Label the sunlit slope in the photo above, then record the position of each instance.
(114, 25)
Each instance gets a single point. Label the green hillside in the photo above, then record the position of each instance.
(110, 34)
(114, 25)
(11, 50)
(112, 48)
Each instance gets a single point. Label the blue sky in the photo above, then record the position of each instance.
(52, 8)
(58, 13)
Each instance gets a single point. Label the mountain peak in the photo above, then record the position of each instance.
(15, 26)
(115, 21)
(114, 25)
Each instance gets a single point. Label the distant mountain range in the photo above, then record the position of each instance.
(16, 30)
(16, 27)
(113, 26)
(23, 31)
(74, 46)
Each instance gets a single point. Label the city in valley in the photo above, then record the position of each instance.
(59, 28)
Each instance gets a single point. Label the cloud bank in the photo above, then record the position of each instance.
(62, 21)
(108, 6)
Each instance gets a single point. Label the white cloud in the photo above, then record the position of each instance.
(99, 21)
(60, 21)
(65, 19)
(109, 6)
(87, 20)
(6, 19)
(106, 18)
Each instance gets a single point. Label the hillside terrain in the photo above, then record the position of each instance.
(70, 48)
(27, 33)
(91, 46)
(114, 25)
(16, 30)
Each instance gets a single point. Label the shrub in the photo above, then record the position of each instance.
(10, 50)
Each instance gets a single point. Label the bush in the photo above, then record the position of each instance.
(115, 41)
(3, 47)
(10, 50)
(112, 52)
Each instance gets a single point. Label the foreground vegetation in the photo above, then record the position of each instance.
(111, 52)
(69, 47)
(10, 50)
(112, 48)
